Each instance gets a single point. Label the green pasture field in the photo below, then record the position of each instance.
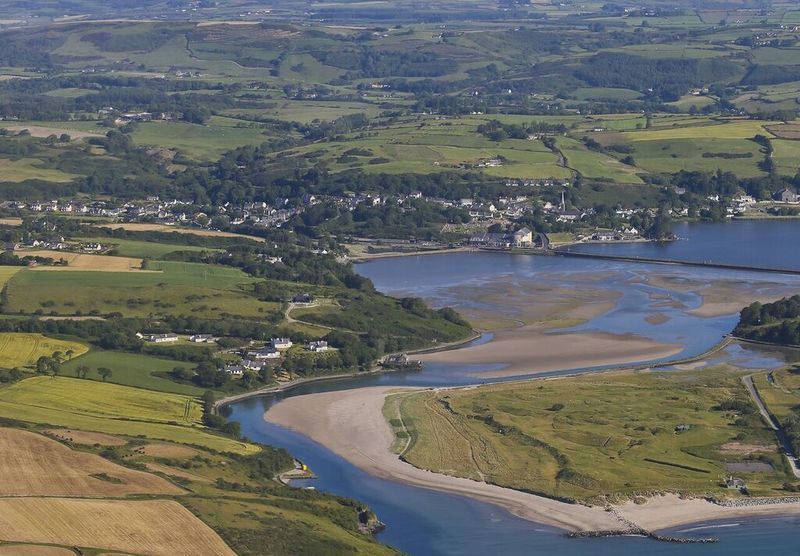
(433, 147)
(104, 400)
(133, 369)
(656, 51)
(306, 68)
(725, 129)
(31, 169)
(141, 249)
(70, 92)
(782, 394)
(308, 111)
(595, 165)
(19, 349)
(673, 155)
(201, 142)
(777, 56)
(593, 436)
(686, 102)
(113, 409)
(205, 291)
(6, 273)
(786, 156)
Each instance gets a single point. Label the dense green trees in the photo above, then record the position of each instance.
(777, 322)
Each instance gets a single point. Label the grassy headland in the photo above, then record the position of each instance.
(609, 436)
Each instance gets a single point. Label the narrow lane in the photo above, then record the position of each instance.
(774, 424)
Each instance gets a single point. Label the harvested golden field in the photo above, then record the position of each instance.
(87, 438)
(19, 349)
(173, 472)
(143, 227)
(33, 550)
(82, 261)
(141, 527)
(10, 221)
(168, 451)
(34, 465)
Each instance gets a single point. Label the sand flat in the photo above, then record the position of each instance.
(529, 350)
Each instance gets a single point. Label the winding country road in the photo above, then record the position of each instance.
(773, 423)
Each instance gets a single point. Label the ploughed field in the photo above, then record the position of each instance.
(33, 465)
(159, 527)
(614, 435)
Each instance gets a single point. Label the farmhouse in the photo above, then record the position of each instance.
(161, 338)
(252, 365)
(264, 353)
(785, 195)
(202, 338)
(281, 343)
(92, 247)
(735, 483)
(235, 370)
(302, 298)
(318, 346)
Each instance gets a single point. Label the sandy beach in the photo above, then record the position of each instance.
(530, 350)
(351, 424)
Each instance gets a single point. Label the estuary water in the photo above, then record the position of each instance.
(421, 521)
(758, 243)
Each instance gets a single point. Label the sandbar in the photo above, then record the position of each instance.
(529, 350)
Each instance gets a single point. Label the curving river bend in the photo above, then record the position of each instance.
(421, 521)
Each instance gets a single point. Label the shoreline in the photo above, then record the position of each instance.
(352, 425)
(376, 369)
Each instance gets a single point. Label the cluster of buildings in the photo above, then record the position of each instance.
(536, 183)
(521, 238)
(256, 359)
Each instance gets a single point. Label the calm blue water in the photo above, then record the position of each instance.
(427, 522)
(760, 243)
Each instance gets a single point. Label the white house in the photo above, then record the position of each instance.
(252, 365)
(265, 353)
(201, 338)
(162, 338)
(318, 346)
(281, 343)
(234, 370)
(522, 238)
